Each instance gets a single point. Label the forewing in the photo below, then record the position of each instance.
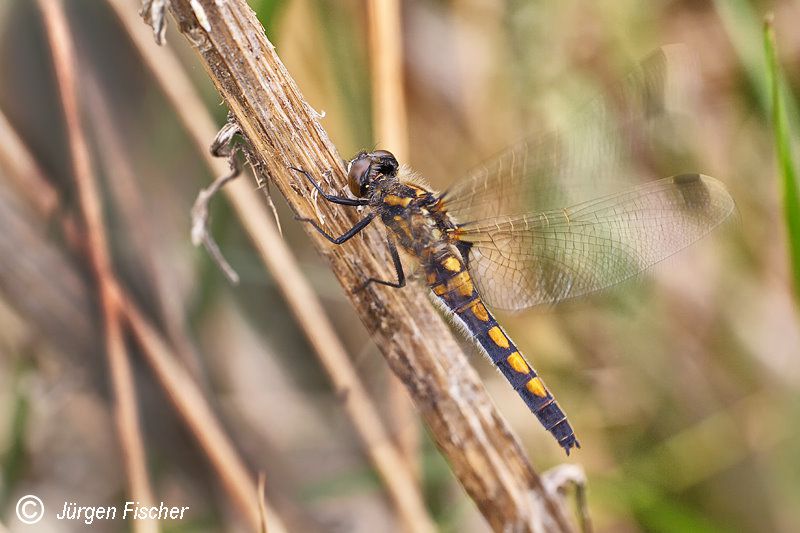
(522, 261)
(609, 142)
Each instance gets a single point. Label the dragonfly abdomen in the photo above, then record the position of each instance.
(452, 284)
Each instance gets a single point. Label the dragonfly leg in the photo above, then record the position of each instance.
(341, 200)
(360, 225)
(398, 268)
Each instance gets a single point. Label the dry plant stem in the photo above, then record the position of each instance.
(174, 377)
(126, 412)
(183, 392)
(559, 479)
(60, 311)
(200, 219)
(283, 130)
(386, 66)
(262, 501)
(179, 387)
(198, 415)
(391, 132)
(29, 180)
(223, 146)
(14, 157)
(128, 201)
(304, 304)
(279, 260)
(125, 407)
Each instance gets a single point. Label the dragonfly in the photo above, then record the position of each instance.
(530, 227)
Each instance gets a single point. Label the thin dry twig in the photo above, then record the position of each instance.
(284, 131)
(154, 14)
(127, 413)
(128, 201)
(229, 465)
(22, 168)
(194, 409)
(386, 66)
(279, 260)
(560, 478)
(127, 416)
(62, 310)
(200, 218)
(222, 146)
(183, 392)
(262, 501)
(391, 131)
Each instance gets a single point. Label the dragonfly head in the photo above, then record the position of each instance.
(367, 168)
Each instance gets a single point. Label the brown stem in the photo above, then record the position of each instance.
(128, 201)
(420, 348)
(278, 259)
(391, 131)
(126, 410)
(24, 172)
(262, 502)
(195, 411)
(178, 385)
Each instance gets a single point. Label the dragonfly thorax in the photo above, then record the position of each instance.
(414, 215)
(415, 219)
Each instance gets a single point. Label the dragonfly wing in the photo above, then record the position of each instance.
(609, 139)
(522, 261)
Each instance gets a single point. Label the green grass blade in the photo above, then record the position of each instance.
(783, 145)
(742, 23)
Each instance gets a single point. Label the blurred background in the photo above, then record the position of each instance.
(684, 386)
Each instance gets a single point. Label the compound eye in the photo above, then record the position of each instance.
(386, 161)
(358, 176)
(381, 154)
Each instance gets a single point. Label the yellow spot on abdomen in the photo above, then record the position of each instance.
(480, 312)
(466, 288)
(535, 386)
(462, 283)
(439, 290)
(452, 264)
(393, 199)
(518, 363)
(496, 334)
